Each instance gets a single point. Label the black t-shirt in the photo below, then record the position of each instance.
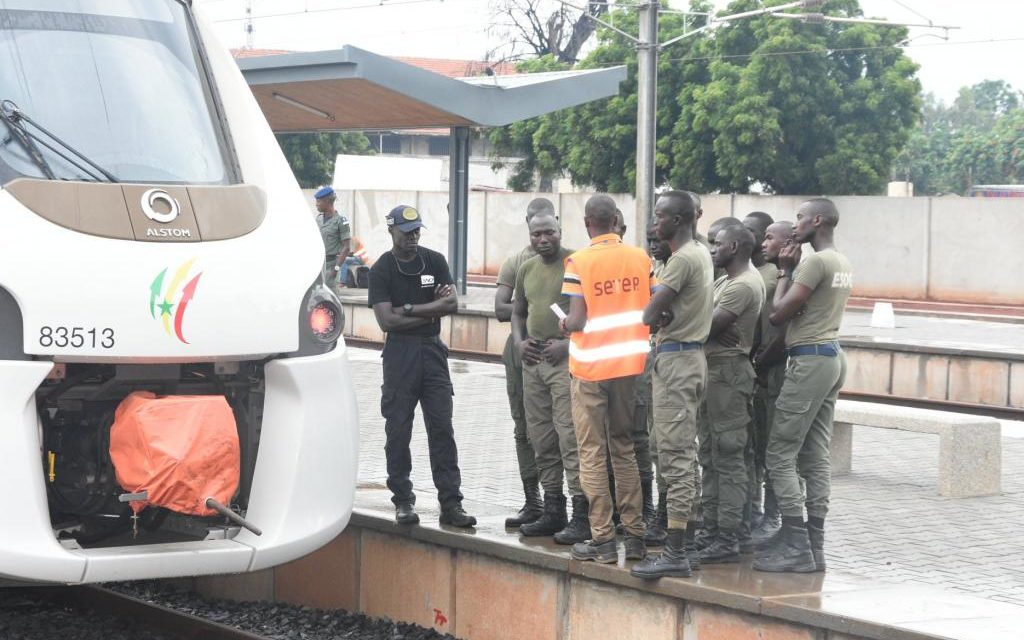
(415, 286)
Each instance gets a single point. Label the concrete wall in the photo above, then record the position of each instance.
(476, 596)
(941, 249)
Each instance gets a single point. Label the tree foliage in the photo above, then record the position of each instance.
(790, 106)
(978, 139)
(312, 155)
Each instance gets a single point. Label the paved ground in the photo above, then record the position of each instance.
(887, 520)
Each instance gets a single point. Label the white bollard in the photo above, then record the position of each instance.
(883, 316)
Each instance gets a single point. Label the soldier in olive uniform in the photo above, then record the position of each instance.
(769, 362)
(811, 296)
(533, 507)
(336, 233)
(723, 427)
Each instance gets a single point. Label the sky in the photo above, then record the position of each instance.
(470, 29)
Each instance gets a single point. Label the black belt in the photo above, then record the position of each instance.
(668, 346)
(406, 337)
(830, 349)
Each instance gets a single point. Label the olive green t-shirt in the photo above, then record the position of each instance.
(688, 273)
(507, 273)
(830, 277)
(770, 274)
(540, 284)
(743, 297)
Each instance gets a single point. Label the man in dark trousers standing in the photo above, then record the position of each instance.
(410, 291)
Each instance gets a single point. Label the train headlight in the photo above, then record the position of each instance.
(325, 316)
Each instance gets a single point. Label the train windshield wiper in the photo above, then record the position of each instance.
(16, 120)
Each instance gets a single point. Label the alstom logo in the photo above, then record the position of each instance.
(170, 295)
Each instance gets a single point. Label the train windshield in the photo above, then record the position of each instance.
(119, 82)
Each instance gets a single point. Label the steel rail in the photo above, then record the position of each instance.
(992, 411)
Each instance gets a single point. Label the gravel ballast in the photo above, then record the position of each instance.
(277, 620)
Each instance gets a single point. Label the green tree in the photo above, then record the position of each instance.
(978, 139)
(800, 108)
(312, 155)
(595, 143)
(794, 107)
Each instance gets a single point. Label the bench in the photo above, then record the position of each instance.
(970, 447)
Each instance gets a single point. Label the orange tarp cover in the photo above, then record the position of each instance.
(180, 449)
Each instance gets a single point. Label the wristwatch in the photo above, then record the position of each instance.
(337, 267)
(407, 309)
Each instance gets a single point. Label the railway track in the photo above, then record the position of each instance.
(1000, 413)
(173, 623)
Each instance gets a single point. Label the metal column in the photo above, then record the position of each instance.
(646, 116)
(458, 205)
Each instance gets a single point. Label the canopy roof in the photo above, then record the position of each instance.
(351, 88)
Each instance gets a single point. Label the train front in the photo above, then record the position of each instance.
(175, 397)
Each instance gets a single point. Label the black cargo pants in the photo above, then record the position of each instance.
(416, 371)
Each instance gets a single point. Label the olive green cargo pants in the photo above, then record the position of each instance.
(514, 387)
(723, 432)
(549, 425)
(801, 432)
(679, 379)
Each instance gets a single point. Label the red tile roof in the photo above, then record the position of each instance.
(443, 66)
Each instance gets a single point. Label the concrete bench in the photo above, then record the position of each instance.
(970, 447)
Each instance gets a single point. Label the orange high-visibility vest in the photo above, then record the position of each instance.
(615, 280)
(359, 251)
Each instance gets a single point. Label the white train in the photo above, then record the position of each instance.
(153, 238)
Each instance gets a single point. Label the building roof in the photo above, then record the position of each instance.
(350, 88)
(449, 67)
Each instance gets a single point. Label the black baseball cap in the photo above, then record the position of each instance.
(406, 218)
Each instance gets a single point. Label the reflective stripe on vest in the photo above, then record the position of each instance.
(606, 352)
(615, 280)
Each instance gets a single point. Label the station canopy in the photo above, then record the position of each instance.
(353, 89)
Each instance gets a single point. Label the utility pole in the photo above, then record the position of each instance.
(248, 25)
(647, 115)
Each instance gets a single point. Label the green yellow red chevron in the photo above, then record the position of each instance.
(162, 300)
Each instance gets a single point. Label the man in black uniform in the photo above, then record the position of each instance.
(410, 291)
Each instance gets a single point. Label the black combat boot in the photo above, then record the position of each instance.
(551, 521)
(817, 537)
(532, 509)
(707, 533)
(690, 544)
(647, 491)
(578, 529)
(670, 562)
(635, 548)
(454, 515)
(405, 513)
(656, 526)
(790, 552)
(766, 532)
(603, 552)
(723, 549)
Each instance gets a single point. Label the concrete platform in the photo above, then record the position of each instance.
(903, 563)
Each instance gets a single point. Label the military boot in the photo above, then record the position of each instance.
(707, 534)
(670, 562)
(551, 521)
(635, 548)
(817, 538)
(764, 533)
(578, 529)
(455, 516)
(690, 544)
(655, 534)
(723, 549)
(647, 491)
(532, 509)
(790, 552)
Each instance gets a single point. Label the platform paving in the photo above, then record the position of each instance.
(886, 521)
